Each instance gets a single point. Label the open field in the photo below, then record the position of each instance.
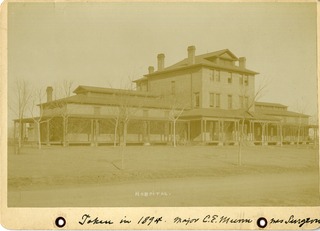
(163, 176)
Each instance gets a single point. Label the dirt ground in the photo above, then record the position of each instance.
(163, 176)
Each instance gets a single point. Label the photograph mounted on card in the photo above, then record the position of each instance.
(159, 115)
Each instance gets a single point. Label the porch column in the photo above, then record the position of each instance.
(291, 136)
(205, 130)
(253, 137)
(148, 131)
(315, 138)
(250, 130)
(201, 123)
(48, 133)
(267, 132)
(14, 132)
(97, 131)
(279, 142)
(189, 130)
(263, 133)
(92, 133)
(63, 131)
(235, 130)
(221, 132)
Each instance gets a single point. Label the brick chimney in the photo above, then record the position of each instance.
(160, 62)
(151, 69)
(242, 62)
(191, 55)
(49, 93)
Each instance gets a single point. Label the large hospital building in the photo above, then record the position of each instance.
(202, 99)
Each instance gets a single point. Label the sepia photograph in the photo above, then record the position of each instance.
(162, 104)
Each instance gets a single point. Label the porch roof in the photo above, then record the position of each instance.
(229, 114)
(282, 113)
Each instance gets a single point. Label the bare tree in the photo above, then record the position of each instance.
(177, 107)
(22, 95)
(247, 111)
(59, 106)
(176, 110)
(125, 109)
(37, 98)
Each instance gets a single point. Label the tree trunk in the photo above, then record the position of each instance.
(281, 138)
(299, 128)
(240, 143)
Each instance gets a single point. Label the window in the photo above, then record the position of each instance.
(96, 110)
(214, 100)
(241, 79)
(211, 100)
(217, 75)
(196, 99)
(246, 102)
(217, 100)
(212, 75)
(246, 80)
(241, 101)
(229, 77)
(173, 87)
(230, 101)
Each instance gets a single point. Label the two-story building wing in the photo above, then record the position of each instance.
(214, 80)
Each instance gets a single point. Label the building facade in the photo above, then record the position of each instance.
(207, 99)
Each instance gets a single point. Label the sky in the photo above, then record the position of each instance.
(107, 44)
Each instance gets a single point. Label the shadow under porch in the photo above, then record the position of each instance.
(107, 131)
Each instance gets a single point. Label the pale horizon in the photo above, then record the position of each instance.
(105, 44)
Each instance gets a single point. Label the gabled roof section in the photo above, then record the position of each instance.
(220, 53)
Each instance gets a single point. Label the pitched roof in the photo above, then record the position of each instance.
(203, 60)
(281, 113)
(269, 104)
(125, 100)
(84, 89)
